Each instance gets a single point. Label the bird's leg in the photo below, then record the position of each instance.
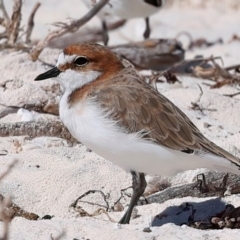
(139, 184)
(105, 33)
(147, 31)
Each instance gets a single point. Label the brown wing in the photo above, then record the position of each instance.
(137, 106)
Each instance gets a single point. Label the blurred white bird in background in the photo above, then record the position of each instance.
(127, 9)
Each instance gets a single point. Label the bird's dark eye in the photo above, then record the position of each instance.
(81, 61)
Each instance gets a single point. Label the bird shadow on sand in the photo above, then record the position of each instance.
(189, 212)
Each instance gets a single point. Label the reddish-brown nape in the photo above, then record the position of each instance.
(100, 58)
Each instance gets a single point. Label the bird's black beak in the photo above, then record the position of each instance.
(54, 72)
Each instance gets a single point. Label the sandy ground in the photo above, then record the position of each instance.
(50, 174)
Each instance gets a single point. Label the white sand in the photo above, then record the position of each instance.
(64, 172)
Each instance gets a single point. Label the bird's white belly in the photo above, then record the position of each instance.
(88, 124)
(133, 8)
(126, 9)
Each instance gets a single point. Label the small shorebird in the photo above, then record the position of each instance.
(108, 107)
(127, 9)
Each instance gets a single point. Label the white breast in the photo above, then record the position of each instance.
(88, 124)
(126, 8)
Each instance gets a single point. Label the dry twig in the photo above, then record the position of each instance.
(105, 197)
(84, 213)
(8, 110)
(12, 27)
(5, 203)
(9, 210)
(234, 67)
(4, 216)
(13, 210)
(66, 28)
(14, 24)
(231, 95)
(84, 35)
(218, 74)
(31, 22)
(196, 104)
(117, 205)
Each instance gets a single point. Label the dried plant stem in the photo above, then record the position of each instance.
(5, 203)
(232, 95)
(12, 210)
(85, 35)
(5, 217)
(31, 22)
(74, 204)
(15, 22)
(66, 28)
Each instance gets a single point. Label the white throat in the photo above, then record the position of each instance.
(72, 80)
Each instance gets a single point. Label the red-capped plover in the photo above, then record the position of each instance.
(108, 107)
